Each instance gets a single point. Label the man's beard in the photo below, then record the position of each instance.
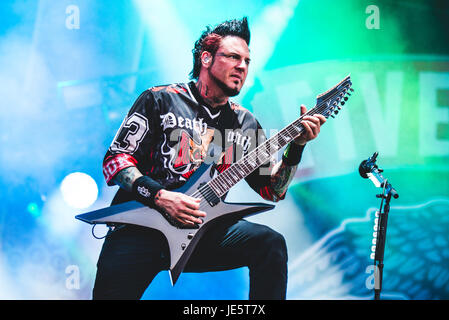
(230, 92)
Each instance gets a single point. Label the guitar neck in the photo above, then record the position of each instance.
(257, 157)
(327, 105)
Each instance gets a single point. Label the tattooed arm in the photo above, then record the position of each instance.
(272, 187)
(272, 182)
(284, 171)
(281, 176)
(126, 177)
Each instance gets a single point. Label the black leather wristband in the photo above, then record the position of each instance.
(145, 189)
(292, 154)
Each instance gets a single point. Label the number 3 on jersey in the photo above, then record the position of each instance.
(131, 134)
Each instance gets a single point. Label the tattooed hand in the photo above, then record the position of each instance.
(180, 207)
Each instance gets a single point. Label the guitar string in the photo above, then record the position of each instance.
(269, 144)
(250, 156)
(266, 144)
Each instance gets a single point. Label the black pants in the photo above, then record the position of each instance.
(132, 256)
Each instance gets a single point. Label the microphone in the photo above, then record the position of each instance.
(369, 169)
(367, 165)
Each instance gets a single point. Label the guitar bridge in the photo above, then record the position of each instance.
(208, 194)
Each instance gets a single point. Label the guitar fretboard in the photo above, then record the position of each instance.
(255, 158)
(327, 103)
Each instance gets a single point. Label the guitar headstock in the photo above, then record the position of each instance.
(331, 101)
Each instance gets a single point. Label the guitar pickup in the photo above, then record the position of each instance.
(208, 194)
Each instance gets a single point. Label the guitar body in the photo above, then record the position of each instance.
(181, 240)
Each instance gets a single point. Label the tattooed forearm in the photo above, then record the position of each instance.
(281, 176)
(126, 177)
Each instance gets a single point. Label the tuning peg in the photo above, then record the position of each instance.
(352, 90)
(342, 103)
(345, 98)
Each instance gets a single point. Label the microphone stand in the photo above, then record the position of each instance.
(369, 169)
(380, 241)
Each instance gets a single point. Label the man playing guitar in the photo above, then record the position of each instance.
(164, 138)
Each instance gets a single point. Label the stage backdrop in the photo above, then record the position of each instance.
(70, 70)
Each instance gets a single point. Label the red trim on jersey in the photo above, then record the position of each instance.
(187, 175)
(226, 161)
(113, 164)
(269, 194)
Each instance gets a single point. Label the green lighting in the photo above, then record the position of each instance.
(33, 209)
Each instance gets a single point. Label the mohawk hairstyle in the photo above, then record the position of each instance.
(210, 40)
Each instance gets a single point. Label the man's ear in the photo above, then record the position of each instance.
(206, 58)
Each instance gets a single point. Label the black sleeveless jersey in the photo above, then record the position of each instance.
(170, 131)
